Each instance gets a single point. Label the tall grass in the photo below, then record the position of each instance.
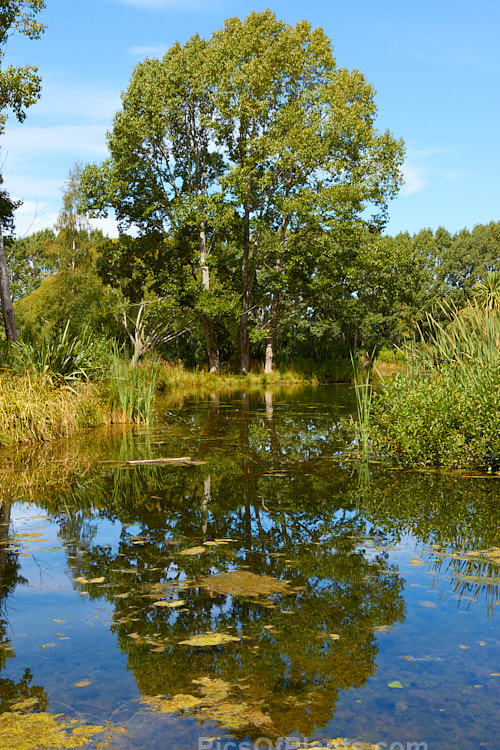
(446, 410)
(33, 408)
(363, 390)
(131, 390)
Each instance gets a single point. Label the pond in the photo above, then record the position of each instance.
(265, 591)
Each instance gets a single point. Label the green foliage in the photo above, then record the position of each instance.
(467, 259)
(62, 354)
(79, 296)
(487, 292)
(446, 411)
(297, 161)
(29, 262)
(19, 86)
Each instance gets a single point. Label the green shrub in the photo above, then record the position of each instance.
(446, 410)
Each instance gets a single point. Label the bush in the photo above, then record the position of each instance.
(446, 410)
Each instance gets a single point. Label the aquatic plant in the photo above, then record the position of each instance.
(363, 390)
(131, 390)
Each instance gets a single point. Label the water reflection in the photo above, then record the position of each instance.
(267, 495)
(21, 691)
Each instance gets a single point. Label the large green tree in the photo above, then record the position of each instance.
(246, 150)
(304, 162)
(161, 181)
(19, 89)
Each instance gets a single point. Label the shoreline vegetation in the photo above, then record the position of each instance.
(38, 406)
(434, 404)
(443, 411)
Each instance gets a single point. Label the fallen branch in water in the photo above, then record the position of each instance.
(181, 460)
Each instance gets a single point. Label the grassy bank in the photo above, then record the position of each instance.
(41, 402)
(33, 408)
(444, 411)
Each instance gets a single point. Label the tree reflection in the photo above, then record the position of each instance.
(12, 692)
(269, 496)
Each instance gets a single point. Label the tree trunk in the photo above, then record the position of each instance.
(246, 288)
(244, 345)
(212, 348)
(208, 323)
(271, 338)
(5, 298)
(274, 312)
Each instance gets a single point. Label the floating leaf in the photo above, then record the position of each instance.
(180, 702)
(244, 583)
(24, 705)
(334, 636)
(19, 732)
(81, 579)
(56, 620)
(209, 639)
(173, 603)
(83, 683)
(101, 579)
(395, 684)
(193, 551)
(47, 645)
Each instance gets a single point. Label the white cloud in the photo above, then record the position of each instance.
(34, 215)
(415, 179)
(21, 145)
(39, 188)
(152, 51)
(423, 167)
(87, 103)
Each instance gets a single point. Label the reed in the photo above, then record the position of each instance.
(131, 390)
(363, 390)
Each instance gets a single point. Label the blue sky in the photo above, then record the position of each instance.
(435, 67)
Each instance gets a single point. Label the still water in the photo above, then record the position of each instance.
(268, 587)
